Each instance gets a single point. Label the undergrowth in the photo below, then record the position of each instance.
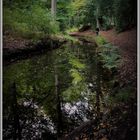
(34, 22)
(108, 53)
(110, 57)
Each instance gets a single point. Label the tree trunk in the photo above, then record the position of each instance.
(17, 130)
(97, 20)
(53, 8)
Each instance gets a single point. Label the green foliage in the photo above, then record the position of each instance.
(69, 38)
(121, 13)
(73, 29)
(76, 76)
(110, 56)
(106, 7)
(108, 22)
(118, 13)
(32, 18)
(76, 12)
(124, 95)
(74, 93)
(41, 20)
(125, 12)
(88, 13)
(100, 40)
(29, 23)
(77, 66)
(76, 63)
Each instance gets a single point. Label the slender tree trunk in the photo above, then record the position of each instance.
(58, 106)
(17, 129)
(53, 7)
(97, 20)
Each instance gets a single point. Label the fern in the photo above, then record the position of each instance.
(110, 56)
(76, 63)
(77, 77)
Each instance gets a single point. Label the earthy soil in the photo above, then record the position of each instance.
(19, 48)
(11, 43)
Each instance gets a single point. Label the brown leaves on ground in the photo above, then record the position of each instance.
(12, 43)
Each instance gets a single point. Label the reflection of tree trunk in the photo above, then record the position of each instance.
(17, 130)
(58, 105)
(98, 90)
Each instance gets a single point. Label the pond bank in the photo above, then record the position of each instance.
(19, 48)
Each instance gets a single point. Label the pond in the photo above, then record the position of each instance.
(49, 95)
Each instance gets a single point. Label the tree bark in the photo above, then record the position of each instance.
(53, 8)
(97, 20)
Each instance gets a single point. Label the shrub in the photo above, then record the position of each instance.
(30, 23)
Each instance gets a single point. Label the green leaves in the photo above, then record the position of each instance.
(76, 76)
(75, 72)
(76, 63)
(100, 40)
(125, 94)
(74, 93)
(34, 22)
(125, 12)
(109, 55)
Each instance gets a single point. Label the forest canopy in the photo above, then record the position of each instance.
(23, 17)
